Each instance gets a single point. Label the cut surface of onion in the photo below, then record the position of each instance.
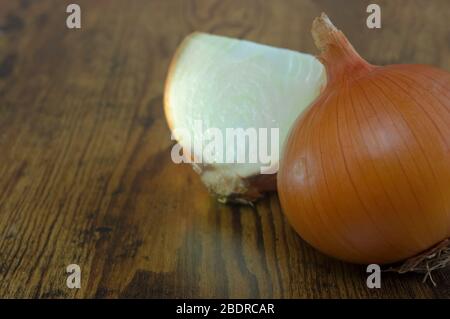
(225, 83)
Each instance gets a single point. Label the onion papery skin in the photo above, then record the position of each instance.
(365, 174)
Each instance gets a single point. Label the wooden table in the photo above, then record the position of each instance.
(85, 169)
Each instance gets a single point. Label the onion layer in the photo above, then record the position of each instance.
(223, 83)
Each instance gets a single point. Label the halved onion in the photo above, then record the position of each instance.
(222, 83)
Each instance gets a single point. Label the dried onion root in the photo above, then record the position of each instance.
(436, 258)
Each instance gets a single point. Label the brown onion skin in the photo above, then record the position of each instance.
(365, 174)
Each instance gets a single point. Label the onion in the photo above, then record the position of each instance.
(365, 174)
(223, 83)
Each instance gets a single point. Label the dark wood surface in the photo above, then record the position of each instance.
(85, 169)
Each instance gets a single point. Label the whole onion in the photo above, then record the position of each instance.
(365, 175)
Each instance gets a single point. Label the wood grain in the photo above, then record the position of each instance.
(85, 169)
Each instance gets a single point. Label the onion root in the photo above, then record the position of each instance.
(433, 259)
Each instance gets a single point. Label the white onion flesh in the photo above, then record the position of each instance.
(231, 83)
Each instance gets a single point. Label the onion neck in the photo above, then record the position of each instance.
(337, 54)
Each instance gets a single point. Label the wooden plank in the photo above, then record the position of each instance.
(85, 169)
